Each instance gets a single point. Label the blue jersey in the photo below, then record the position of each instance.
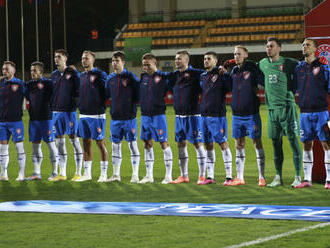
(123, 89)
(214, 88)
(186, 89)
(245, 87)
(11, 99)
(312, 86)
(153, 89)
(66, 90)
(38, 93)
(92, 95)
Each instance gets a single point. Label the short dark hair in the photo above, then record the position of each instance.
(40, 65)
(119, 54)
(89, 52)
(10, 63)
(278, 42)
(214, 54)
(149, 56)
(313, 40)
(63, 52)
(183, 52)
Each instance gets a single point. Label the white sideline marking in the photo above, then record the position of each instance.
(277, 236)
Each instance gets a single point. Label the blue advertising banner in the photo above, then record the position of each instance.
(174, 209)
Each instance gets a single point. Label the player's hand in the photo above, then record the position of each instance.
(323, 60)
(71, 68)
(222, 70)
(229, 63)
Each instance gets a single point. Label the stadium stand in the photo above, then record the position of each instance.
(201, 33)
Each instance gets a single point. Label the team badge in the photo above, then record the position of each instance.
(71, 124)
(133, 130)
(92, 78)
(68, 76)
(99, 130)
(18, 131)
(49, 132)
(186, 75)
(124, 82)
(221, 131)
(323, 50)
(157, 79)
(14, 87)
(160, 131)
(255, 128)
(246, 75)
(280, 67)
(40, 86)
(316, 70)
(214, 78)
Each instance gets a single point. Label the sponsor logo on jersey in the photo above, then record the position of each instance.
(157, 79)
(280, 67)
(18, 131)
(323, 50)
(14, 87)
(92, 78)
(246, 75)
(160, 131)
(68, 76)
(40, 86)
(133, 130)
(316, 70)
(214, 78)
(124, 82)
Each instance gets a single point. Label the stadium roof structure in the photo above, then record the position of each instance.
(259, 48)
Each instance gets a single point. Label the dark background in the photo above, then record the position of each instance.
(82, 16)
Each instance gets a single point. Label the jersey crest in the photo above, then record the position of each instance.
(40, 86)
(124, 82)
(186, 75)
(246, 75)
(92, 78)
(316, 70)
(157, 79)
(280, 67)
(214, 78)
(68, 76)
(14, 87)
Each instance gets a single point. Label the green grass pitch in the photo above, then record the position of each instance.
(76, 230)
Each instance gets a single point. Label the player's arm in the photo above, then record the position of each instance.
(290, 66)
(108, 87)
(136, 87)
(327, 76)
(170, 78)
(228, 82)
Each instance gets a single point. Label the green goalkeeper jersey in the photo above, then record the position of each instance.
(278, 81)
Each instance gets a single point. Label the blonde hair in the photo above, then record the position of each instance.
(243, 48)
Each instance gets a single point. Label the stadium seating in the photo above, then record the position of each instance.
(187, 33)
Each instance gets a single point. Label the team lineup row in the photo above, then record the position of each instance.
(53, 102)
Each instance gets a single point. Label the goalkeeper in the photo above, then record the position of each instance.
(282, 116)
